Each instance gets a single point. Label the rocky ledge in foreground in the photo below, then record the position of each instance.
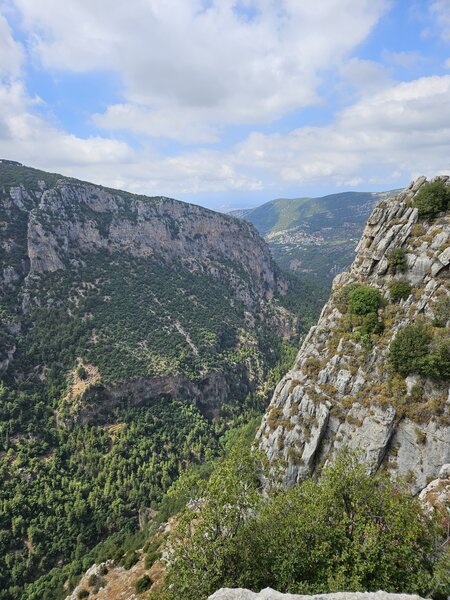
(269, 594)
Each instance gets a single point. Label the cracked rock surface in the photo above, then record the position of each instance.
(340, 392)
(269, 594)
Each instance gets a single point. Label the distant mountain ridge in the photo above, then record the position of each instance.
(314, 235)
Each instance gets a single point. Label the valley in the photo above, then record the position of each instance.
(314, 237)
(135, 332)
(200, 403)
(142, 339)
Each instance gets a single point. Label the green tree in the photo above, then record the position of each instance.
(348, 531)
(436, 364)
(442, 312)
(432, 199)
(207, 550)
(364, 299)
(143, 584)
(408, 349)
(399, 290)
(397, 260)
(416, 350)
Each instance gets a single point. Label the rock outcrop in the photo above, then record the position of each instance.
(341, 390)
(269, 594)
(69, 219)
(54, 227)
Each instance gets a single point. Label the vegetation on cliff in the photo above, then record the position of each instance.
(347, 531)
(119, 368)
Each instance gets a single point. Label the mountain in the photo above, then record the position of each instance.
(373, 373)
(316, 236)
(134, 332)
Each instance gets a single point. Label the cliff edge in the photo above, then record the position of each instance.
(347, 386)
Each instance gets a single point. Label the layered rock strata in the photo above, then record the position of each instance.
(341, 391)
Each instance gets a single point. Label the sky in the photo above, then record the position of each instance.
(224, 103)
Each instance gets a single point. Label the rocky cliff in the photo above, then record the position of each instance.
(64, 220)
(268, 594)
(63, 241)
(343, 389)
(133, 332)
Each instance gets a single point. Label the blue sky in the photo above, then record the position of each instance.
(228, 104)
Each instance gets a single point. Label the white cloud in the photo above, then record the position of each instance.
(29, 138)
(189, 72)
(406, 60)
(365, 76)
(26, 137)
(401, 130)
(441, 10)
(11, 53)
(200, 68)
(185, 126)
(389, 136)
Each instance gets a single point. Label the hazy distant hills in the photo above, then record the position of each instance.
(314, 235)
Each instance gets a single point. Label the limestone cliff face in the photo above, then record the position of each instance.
(341, 392)
(50, 225)
(269, 594)
(72, 218)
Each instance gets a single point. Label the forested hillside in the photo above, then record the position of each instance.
(314, 236)
(134, 332)
(350, 489)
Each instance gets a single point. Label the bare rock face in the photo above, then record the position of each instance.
(56, 231)
(72, 218)
(436, 496)
(269, 594)
(341, 391)
(56, 224)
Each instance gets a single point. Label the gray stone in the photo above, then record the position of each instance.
(269, 594)
(348, 400)
(444, 257)
(444, 472)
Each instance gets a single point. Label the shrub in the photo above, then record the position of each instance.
(81, 372)
(399, 290)
(143, 584)
(83, 594)
(103, 570)
(436, 364)
(151, 558)
(348, 531)
(409, 348)
(343, 293)
(363, 300)
(432, 199)
(130, 559)
(397, 260)
(442, 312)
(371, 324)
(441, 576)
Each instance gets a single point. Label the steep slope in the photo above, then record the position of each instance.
(350, 384)
(314, 235)
(268, 594)
(133, 330)
(81, 249)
